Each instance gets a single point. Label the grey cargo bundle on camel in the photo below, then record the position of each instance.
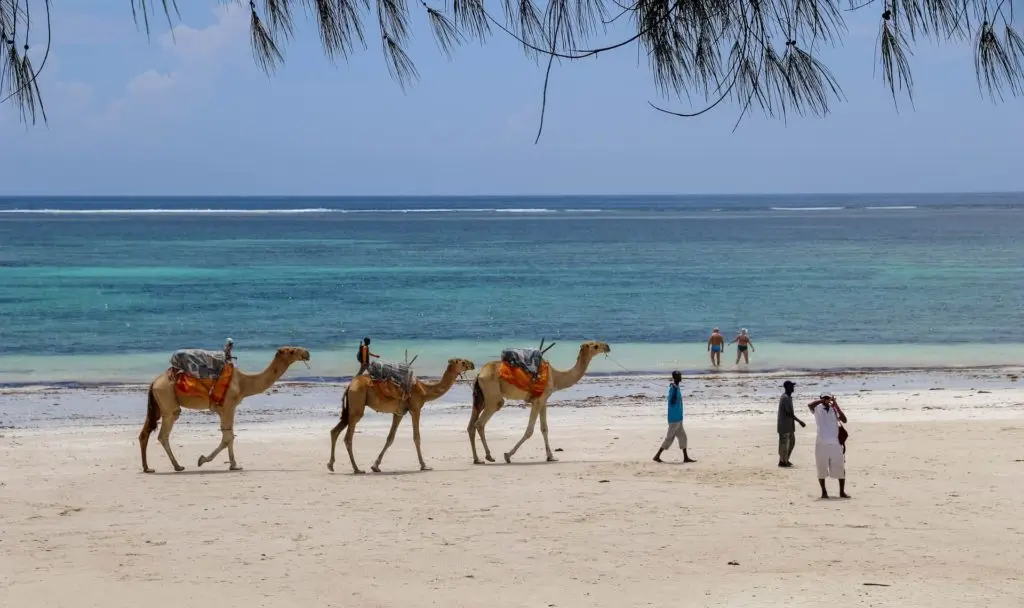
(528, 359)
(202, 364)
(396, 373)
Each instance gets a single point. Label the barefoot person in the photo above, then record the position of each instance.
(716, 344)
(785, 426)
(675, 419)
(743, 344)
(828, 453)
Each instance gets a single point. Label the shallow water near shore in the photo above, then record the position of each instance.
(431, 357)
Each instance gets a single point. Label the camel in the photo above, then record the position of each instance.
(361, 394)
(165, 406)
(490, 392)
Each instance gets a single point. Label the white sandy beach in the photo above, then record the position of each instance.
(936, 477)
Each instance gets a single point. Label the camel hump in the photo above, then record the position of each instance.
(201, 364)
(399, 374)
(527, 359)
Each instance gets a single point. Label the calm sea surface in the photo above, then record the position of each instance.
(111, 286)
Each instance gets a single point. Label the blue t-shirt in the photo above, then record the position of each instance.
(675, 404)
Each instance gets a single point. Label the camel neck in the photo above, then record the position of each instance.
(257, 383)
(565, 379)
(436, 390)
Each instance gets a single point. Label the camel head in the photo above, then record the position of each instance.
(461, 366)
(589, 350)
(291, 354)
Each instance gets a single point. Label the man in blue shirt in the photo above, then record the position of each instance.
(675, 419)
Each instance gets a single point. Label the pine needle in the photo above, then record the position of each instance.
(446, 34)
(264, 48)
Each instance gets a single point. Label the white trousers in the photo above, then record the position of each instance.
(830, 460)
(675, 432)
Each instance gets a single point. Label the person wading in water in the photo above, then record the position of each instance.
(743, 344)
(716, 344)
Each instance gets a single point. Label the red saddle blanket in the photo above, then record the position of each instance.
(521, 379)
(214, 389)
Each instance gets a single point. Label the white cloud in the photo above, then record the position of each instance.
(200, 53)
(74, 94)
(225, 40)
(152, 81)
(192, 59)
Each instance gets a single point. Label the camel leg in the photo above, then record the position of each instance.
(165, 437)
(480, 424)
(233, 465)
(474, 416)
(353, 419)
(144, 443)
(228, 416)
(335, 433)
(544, 432)
(534, 410)
(227, 439)
(416, 438)
(395, 421)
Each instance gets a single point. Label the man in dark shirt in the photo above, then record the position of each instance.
(786, 428)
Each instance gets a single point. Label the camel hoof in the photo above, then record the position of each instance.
(508, 458)
(330, 467)
(202, 461)
(478, 461)
(375, 469)
(147, 470)
(424, 467)
(489, 458)
(179, 468)
(552, 459)
(358, 472)
(235, 467)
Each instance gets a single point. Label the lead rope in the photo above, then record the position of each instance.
(607, 356)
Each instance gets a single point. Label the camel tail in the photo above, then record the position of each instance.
(152, 414)
(344, 410)
(478, 396)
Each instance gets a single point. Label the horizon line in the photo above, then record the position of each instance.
(506, 195)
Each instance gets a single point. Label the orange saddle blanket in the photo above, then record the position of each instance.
(387, 389)
(521, 379)
(214, 389)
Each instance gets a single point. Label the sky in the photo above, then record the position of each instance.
(131, 115)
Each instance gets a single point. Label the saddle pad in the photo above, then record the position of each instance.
(388, 390)
(528, 359)
(200, 364)
(187, 385)
(395, 373)
(523, 380)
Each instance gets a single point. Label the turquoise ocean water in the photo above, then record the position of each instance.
(103, 289)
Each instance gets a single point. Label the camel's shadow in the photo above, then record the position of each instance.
(219, 472)
(532, 463)
(390, 473)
